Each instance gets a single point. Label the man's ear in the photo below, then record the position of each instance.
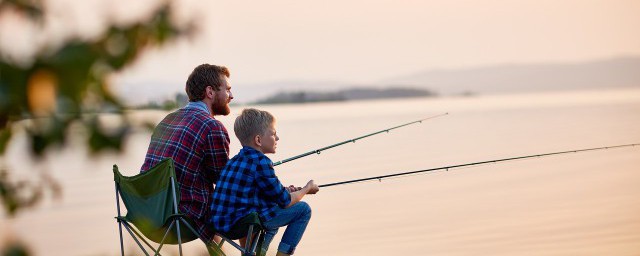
(210, 92)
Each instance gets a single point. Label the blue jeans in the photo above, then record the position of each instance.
(295, 218)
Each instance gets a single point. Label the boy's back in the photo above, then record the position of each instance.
(247, 184)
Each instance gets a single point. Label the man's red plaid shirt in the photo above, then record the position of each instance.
(199, 146)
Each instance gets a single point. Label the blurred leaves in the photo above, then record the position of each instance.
(100, 139)
(18, 195)
(5, 135)
(31, 8)
(15, 249)
(68, 85)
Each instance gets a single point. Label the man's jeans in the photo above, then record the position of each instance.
(295, 218)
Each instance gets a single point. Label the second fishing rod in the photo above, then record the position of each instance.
(317, 151)
(450, 167)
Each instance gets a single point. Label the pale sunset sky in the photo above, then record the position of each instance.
(361, 42)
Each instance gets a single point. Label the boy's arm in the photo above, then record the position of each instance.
(310, 188)
(269, 185)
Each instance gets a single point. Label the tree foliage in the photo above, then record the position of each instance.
(68, 84)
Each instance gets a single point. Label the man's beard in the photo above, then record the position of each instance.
(220, 108)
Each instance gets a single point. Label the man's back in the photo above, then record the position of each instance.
(199, 146)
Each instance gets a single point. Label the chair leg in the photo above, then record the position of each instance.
(234, 244)
(213, 248)
(261, 250)
(179, 237)
(175, 211)
(164, 237)
(121, 242)
(256, 247)
(138, 235)
(249, 241)
(254, 241)
(136, 239)
(258, 241)
(119, 221)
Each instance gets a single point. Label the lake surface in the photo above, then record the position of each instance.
(573, 204)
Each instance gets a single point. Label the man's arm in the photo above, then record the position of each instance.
(216, 152)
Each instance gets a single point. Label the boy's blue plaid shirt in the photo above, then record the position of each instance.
(247, 183)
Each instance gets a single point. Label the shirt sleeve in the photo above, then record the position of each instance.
(217, 152)
(269, 184)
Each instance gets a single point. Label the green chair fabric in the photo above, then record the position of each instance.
(149, 199)
(241, 227)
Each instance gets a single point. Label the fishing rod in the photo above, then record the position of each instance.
(379, 178)
(317, 151)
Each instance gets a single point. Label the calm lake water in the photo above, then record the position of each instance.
(574, 204)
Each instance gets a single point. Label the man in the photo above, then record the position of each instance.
(197, 142)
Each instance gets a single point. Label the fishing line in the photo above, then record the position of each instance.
(317, 151)
(460, 168)
(447, 168)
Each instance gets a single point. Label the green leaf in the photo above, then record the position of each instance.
(5, 136)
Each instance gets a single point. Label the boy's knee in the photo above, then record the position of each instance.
(305, 208)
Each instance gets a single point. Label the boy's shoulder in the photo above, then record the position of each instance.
(252, 156)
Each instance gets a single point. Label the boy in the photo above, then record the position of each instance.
(248, 184)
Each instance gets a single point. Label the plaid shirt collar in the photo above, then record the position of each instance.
(197, 105)
(253, 153)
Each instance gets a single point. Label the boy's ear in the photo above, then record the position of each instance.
(257, 140)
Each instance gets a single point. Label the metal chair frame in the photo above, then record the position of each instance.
(253, 238)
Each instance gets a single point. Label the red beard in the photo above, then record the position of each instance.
(220, 108)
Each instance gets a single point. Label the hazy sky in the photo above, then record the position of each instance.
(360, 42)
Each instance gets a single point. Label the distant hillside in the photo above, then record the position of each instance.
(343, 95)
(611, 73)
(514, 78)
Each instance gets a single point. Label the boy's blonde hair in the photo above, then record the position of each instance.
(252, 122)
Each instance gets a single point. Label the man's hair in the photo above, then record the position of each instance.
(250, 123)
(203, 76)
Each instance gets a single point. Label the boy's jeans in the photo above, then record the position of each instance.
(295, 218)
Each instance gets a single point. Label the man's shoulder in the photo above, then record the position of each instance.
(196, 117)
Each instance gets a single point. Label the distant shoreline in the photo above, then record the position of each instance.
(305, 96)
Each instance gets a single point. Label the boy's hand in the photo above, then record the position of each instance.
(296, 196)
(312, 187)
(293, 188)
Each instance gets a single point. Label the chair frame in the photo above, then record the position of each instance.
(250, 248)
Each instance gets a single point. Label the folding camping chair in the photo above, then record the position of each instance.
(151, 200)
